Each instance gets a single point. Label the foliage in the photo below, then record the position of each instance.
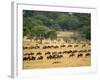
(44, 24)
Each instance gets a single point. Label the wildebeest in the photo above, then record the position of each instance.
(71, 55)
(63, 46)
(40, 58)
(79, 55)
(84, 45)
(39, 53)
(70, 51)
(55, 62)
(64, 52)
(59, 52)
(46, 47)
(49, 57)
(47, 53)
(32, 58)
(25, 47)
(81, 51)
(76, 45)
(29, 58)
(89, 50)
(69, 46)
(25, 58)
(88, 54)
(31, 53)
(56, 46)
(54, 53)
(54, 56)
(74, 51)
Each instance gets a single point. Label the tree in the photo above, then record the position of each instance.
(68, 22)
(51, 34)
(86, 32)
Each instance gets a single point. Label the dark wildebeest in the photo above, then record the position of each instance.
(54, 56)
(44, 47)
(69, 46)
(59, 52)
(89, 50)
(56, 46)
(70, 51)
(40, 58)
(57, 56)
(32, 58)
(25, 47)
(31, 53)
(54, 53)
(71, 55)
(82, 51)
(39, 53)
(64, 52)
(25, 58)
(47, 53)
(84, 45)
(55, 62)
(76, 45)
(88, 54)
(63, 46)
(49, 57)
(79, 55)
(74, 51)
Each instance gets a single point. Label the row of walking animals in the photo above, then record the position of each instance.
(56, 55)
(56, 41)
(54, 46)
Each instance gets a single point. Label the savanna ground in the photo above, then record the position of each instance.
(67, 59)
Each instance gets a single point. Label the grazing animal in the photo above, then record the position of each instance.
(49, 57)
(25, 58)
(89, 50)
(39, 53)
(81, 51)
(79, 55)
(88, 54)
(63, 46)
(71, 55)
(54, 56)
(84, 45)
(56, 46)
(44, 47)
(31, 58)
(55, 62)
(70, 51)
(74, 51)
(75, 45)
(59, 52)
(25, 47)
(64, 52)
(57, 56)
(54, 53)
(69, 46)
(47, 53)
(32, 53)
(40, 58)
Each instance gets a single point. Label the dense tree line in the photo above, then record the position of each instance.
(43, 24)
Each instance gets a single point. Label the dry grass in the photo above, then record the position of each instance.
(64, 33)
(66, 61)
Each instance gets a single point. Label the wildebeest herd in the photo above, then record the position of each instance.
(53, 52)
